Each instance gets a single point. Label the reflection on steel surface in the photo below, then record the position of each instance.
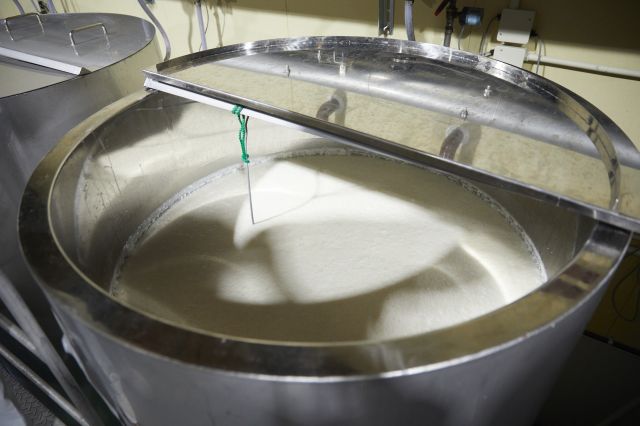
(537, 138)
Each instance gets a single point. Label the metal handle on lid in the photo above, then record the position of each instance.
(87, 27)
(26, 15)
(10, 18)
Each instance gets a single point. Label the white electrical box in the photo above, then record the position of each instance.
(515, 26)
(510, 54)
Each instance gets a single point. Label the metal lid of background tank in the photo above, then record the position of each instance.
(451, 110)
(40, 50)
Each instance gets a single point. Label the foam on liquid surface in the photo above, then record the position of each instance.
(346, 247)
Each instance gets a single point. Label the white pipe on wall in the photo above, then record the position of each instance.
(408, 19)
(585, 66)
(165, 37)
(203, 34)
(19, 7)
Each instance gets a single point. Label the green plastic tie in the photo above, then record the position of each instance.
(242, 133)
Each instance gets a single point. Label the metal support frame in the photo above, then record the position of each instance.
(41, 384)
(44, 349)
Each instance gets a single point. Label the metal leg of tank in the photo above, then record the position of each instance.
(44, 349)
(18, 380)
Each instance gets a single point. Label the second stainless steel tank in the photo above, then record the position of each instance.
(56, 70)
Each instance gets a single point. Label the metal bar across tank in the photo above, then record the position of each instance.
(43, 62)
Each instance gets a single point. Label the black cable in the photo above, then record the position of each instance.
(616, 288)
(485, 32)
(540, 47)
(460, 36)
(206, 27)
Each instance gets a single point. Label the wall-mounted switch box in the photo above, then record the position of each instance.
(515, 26)
(510, 54)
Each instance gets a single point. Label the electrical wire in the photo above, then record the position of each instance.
(617, 286)
(540, 47)
(460, 36)
(52, 7)
(165, 37)
(19, 6)
(206, 26)
(485, 33)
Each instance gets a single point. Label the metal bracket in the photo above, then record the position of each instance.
(385, 17)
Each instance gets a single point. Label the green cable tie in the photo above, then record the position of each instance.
(242, 133)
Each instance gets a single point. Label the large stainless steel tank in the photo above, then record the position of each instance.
(92, 191)
(56, 70)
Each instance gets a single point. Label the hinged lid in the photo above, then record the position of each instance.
(67, 44)
(454, 111)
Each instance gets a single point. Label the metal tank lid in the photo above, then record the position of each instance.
(457, 112)
(39, 50)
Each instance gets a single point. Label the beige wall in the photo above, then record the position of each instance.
(585, 30)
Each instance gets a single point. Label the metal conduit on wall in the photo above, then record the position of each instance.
(583, 66)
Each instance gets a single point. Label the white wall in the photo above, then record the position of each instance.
(585, 30)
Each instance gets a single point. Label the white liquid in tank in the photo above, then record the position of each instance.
(346, 247)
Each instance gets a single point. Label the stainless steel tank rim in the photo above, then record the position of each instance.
(356, 377)
(441, 348)
(383, 375)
